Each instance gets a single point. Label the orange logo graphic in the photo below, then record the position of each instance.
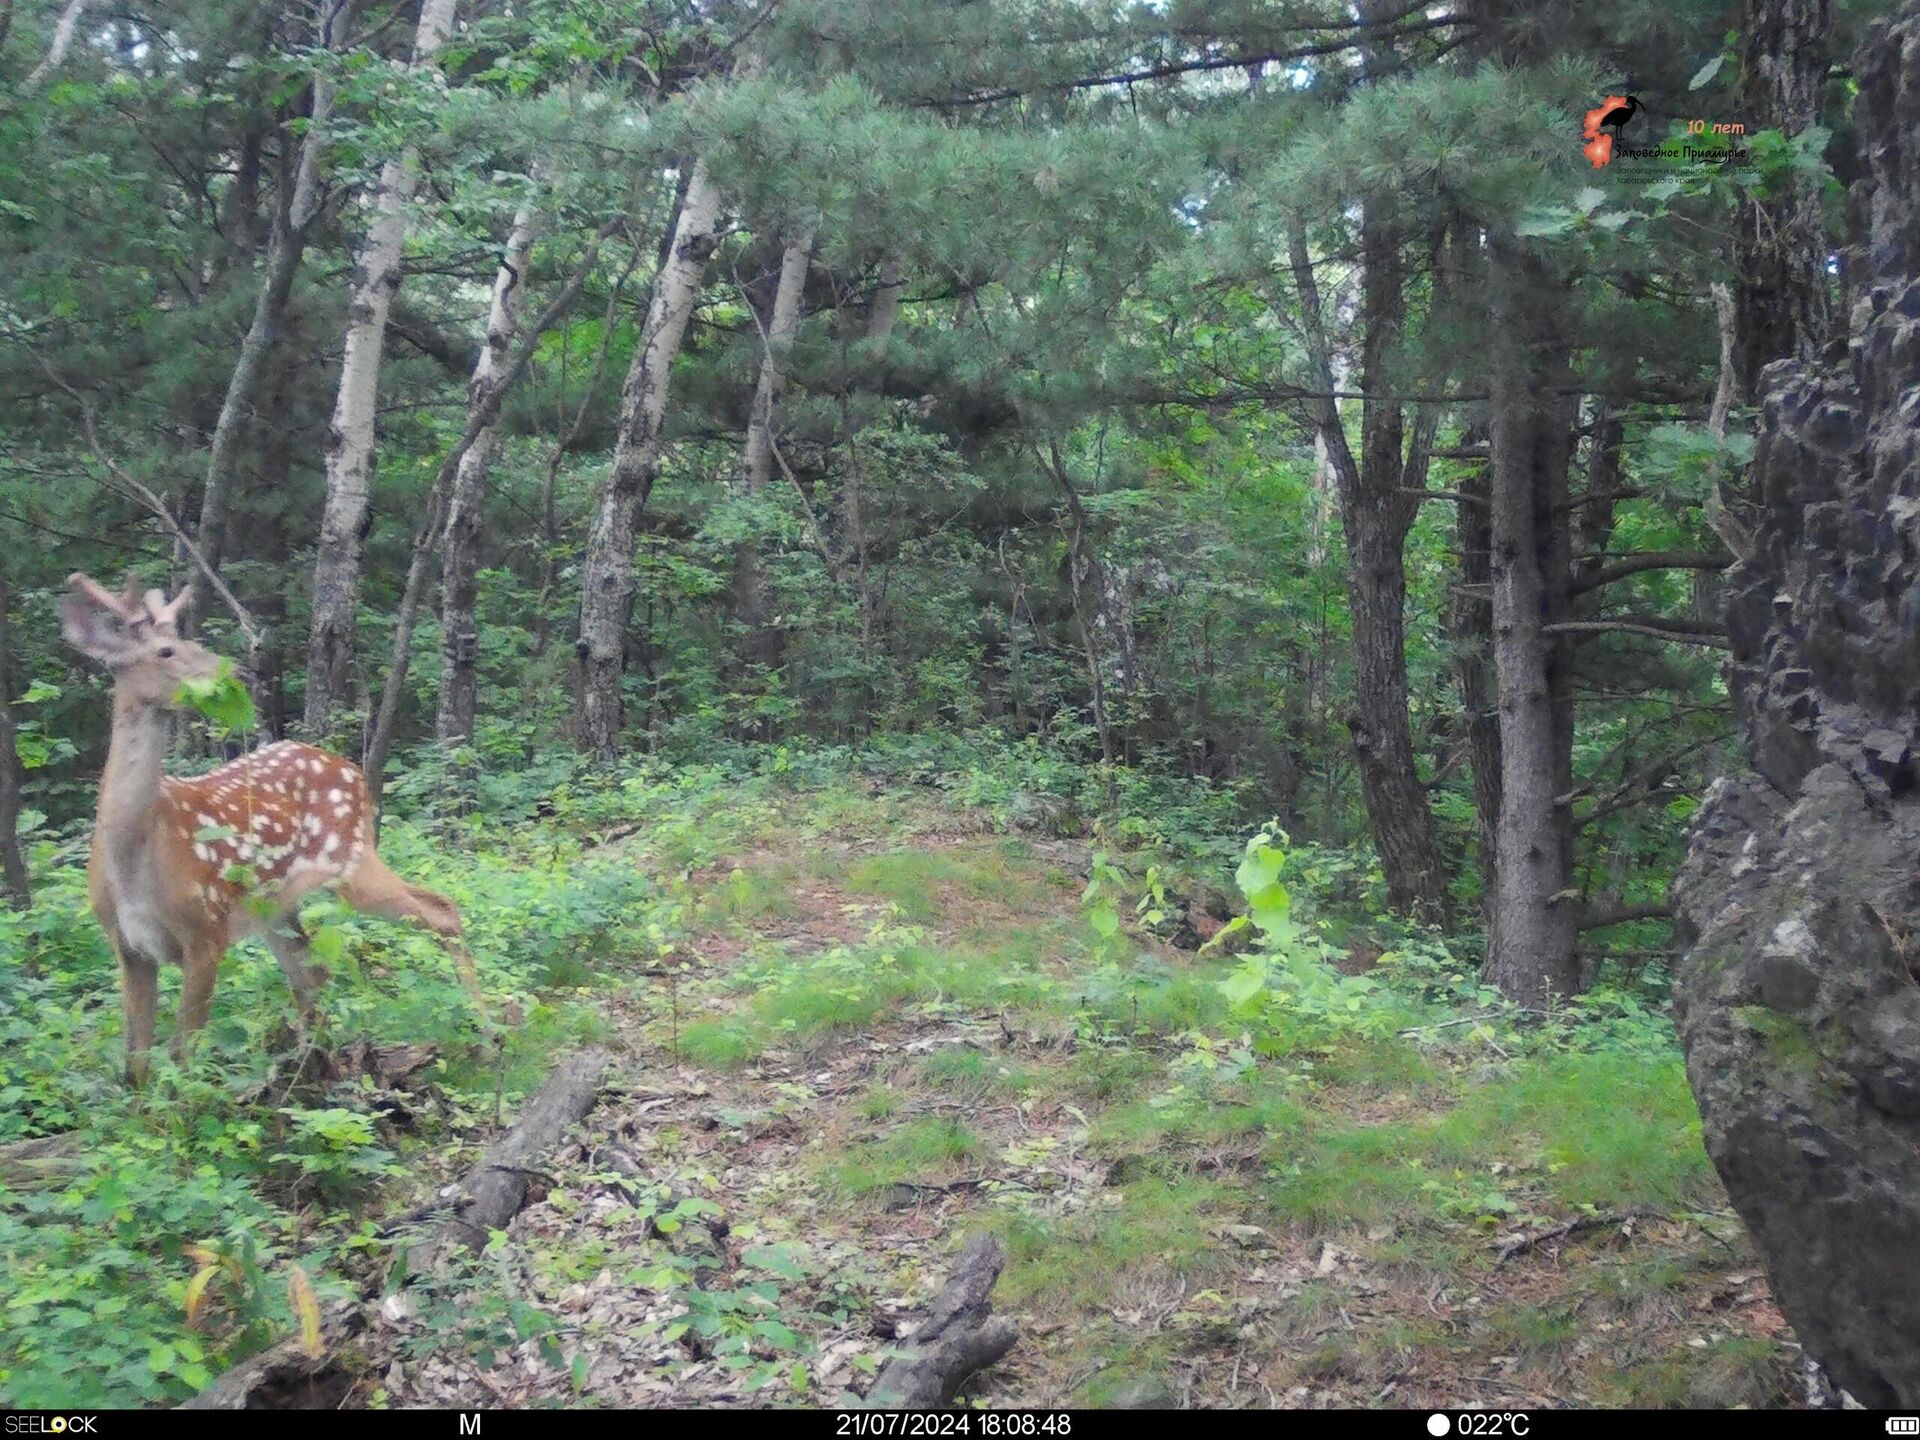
(1611, 114)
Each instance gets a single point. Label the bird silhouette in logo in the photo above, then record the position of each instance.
(1612, 113)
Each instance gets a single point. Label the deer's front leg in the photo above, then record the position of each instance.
(139, 980)
(198, 968)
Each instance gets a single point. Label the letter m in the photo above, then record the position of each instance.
(470, 1424)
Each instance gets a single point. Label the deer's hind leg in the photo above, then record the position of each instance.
(288, 942)
(374, 889)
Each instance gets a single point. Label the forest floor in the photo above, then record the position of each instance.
(884, 1028)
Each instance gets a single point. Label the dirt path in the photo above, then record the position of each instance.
(875, 1044)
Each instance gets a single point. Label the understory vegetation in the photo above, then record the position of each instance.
(1313, 1161)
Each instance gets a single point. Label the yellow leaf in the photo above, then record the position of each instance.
(201, 1255)
(307, 1309)
(197, 1294)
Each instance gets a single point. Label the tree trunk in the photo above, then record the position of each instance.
(460, 560)
(752, 601)
(562, 443)
(350, 440)
(270, 544)
(1534, 920)
(13, 865)
(1781, 300)
(606, 586)
(63, 32)
(483, 410)
(1470, 633)
(1377, 511)
(292, 224)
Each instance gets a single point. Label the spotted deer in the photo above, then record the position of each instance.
(181, 869)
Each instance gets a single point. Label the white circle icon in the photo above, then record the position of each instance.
(1438, 1425)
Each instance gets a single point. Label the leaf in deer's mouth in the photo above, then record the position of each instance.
(221, 698)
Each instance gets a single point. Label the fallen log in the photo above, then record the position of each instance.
(960, 1336)
(25, 1164)
(288, 1377)
(492, 1192)
(281, 1377)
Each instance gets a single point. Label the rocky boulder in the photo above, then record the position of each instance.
(1799, 901)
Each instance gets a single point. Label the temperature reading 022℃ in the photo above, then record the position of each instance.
(1494, 1423)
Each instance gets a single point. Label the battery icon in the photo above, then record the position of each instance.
(1903, 1424)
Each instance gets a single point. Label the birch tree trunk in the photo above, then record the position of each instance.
(336, 567)
(13, 865)
(292, 224)
(752, 603)
(63, 33)
(1530, 955)
(484, 398)
(460, 559)
(606, 585)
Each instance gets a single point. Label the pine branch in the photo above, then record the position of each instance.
(1621, 914)
(1651, 560)
(1365, 33)
(1678, 631)
(128, 485)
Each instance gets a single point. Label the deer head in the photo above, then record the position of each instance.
(137, 637)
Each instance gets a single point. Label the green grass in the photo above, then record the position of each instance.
(926, 1151)
(1724, 1374)
(1198, 1116)
(1102, 1073)
(963, 1073)
(808, 998)
(1159, 1229)
(749, 896)
(721, 1044)
(912, 880)
(1607, 1129)
(1531, 1330)
(1152, 997)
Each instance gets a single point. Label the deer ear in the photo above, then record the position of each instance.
(92, 591)
(92, 623)
(93, 631)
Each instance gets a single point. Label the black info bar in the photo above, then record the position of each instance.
(1546, 1424)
